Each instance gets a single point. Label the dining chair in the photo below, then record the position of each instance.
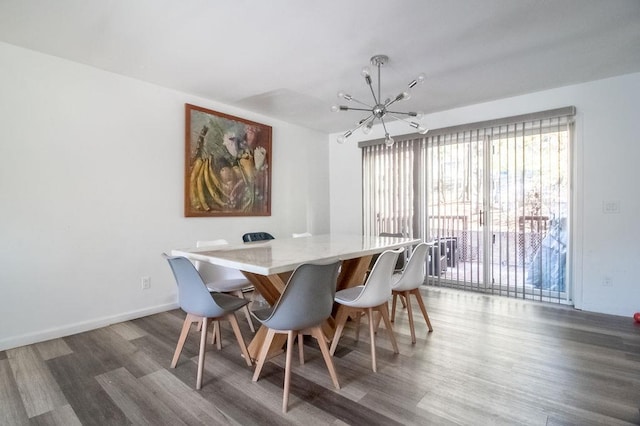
(224, 280)
(256, 236)
(401, 257)
(203, 306)
(365, 299)
(305, 304)
(408, 282)
(301, 234)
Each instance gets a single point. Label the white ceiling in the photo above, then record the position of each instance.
(288, 58)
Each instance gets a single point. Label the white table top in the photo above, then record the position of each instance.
(282, 255)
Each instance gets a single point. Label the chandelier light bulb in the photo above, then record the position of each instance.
(367, 128)
(341, 139)
(422, 130)
(419, 80)
(388, 140)
(366, 72)
(335, 108)
(345, 96)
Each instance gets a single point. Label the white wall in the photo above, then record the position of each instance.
(606, 155)
(91, 192)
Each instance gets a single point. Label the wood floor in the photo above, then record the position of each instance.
(489, 361)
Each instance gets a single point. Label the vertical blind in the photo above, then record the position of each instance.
(492, 196)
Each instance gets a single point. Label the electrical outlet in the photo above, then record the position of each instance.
(146, 283)
(611, 207)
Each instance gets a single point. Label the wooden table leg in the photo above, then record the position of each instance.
(353, 272)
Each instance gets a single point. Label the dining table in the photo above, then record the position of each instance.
(268, 264)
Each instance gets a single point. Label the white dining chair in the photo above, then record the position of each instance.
(224, 280)
(408, 283)
(365, 299)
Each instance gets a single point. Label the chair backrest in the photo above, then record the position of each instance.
(302, 234)
(307, 299)
(211, 273)
(256, 236)
(414, 274)
(401, 257)
(377, 289)
(193, 295)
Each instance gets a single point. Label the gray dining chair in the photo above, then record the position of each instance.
(305, 304)
(408, 283)
(365, 299)
(202, 306)
(224, 280)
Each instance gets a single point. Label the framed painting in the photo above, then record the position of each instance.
(227, 165)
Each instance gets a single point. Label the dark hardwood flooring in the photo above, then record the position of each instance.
(489, 361)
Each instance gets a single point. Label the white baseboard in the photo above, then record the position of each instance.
(54, 333)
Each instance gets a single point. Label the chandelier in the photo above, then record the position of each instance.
(380, 109)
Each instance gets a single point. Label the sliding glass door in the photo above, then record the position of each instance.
(455, 196)
(493, 202)
(529, 210)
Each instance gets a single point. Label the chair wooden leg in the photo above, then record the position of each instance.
(358, 316)
(393, 306)
(236, 330)
(384, 311)
(264, 351)
(373, 340)
(416, 293)
(378, 318)
(410, 314)
(183, 337)
(341, 320)
(245, 309)
(301, 348)
(203, 344)
(324, 348)
(248, 315)
(291, 335)
(216, 336)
